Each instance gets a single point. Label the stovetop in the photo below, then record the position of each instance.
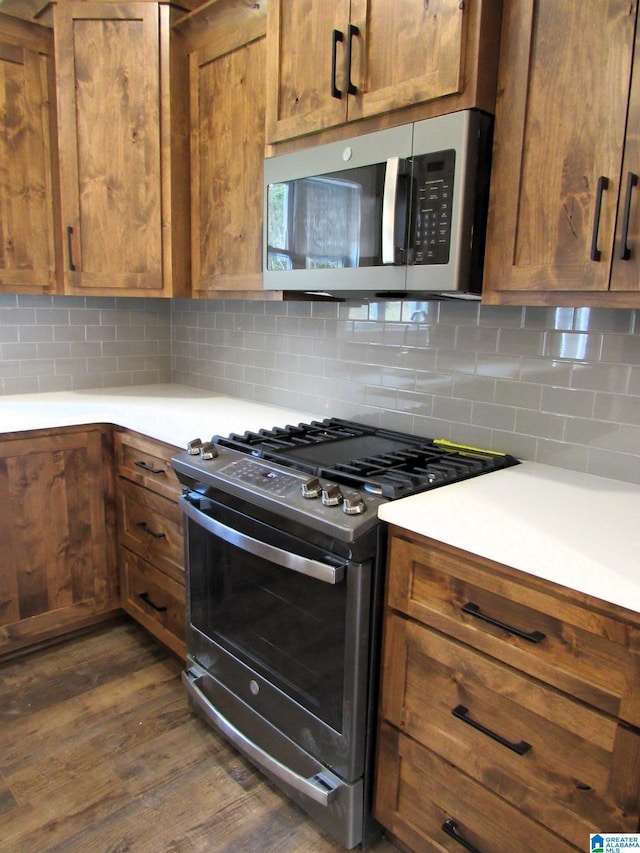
(379, 461)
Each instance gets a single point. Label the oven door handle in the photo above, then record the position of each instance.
(288, 560)
(321, 787)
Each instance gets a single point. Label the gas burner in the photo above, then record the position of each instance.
(379, 461)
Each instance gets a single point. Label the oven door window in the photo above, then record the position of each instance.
(287, 627)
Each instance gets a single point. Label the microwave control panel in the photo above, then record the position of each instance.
(433, 176)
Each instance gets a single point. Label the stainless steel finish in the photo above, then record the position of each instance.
(288, 560)
(389, 203)
(312, 488)
(193, 446)
(320, 788)
(208, 450)
(353, 504)
(331, 495)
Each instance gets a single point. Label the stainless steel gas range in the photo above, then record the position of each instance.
(285, 574)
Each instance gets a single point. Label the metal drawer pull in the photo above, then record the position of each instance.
(603, 184)
(150, 468)
(144, 526)
(474, 610)
(145, 597)
(461, 713)
(451, 828)
(625, 251)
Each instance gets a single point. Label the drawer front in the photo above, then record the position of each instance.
(567, 765)
(418, 792)
(544, 630)
(147, 462)
(154, 600)
(151, 525)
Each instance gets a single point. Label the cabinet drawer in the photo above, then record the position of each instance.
(151, 525)
(545, 630)
(418, 791)
(147, 462)
(569, 766)
(154, 600)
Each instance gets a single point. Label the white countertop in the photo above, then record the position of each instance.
(171, 413)
(574, 529)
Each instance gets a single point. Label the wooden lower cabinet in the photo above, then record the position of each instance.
(57, 532)
(150, 538)
(508, 708)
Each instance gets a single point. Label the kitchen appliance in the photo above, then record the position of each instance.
(285, 570)
(401, 210)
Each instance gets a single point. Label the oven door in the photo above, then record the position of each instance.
(281, 624)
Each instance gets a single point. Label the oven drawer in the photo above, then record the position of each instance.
(545, 630)
(154, 600)
(147, 462)
(565, 764)
(151, 525)
(419, 793)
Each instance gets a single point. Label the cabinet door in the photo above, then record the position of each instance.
(109, 107)
(57, 533)
(27, 260)
(302, 35)
(227, 84)
(407, 52)
(625, 273)
(563, 87)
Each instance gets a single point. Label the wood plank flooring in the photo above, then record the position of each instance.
(100, 751)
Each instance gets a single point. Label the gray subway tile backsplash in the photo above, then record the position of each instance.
(554, 385)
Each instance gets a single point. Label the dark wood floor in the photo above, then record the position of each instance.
(99, 751)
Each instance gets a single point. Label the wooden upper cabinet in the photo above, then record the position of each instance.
(27, 256)
(225, 44)
(354, 59)
(117, 150)
(559, 186)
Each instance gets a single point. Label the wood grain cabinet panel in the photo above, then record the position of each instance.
(225, 49)
(562, 208)
(365, 58)
(504, 686)
(57, 533)
(27, 254)
(150, 532)
(122, 150)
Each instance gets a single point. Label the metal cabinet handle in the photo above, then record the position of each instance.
(145, 527)
(351, 32)
(473, 610)
(72, 266)
(603, 184)
(462, 714)
(625, 251)
(336, 37)
(147, 600)
(451, 828)
(149, 468)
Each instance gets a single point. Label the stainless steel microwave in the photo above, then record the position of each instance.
(401, 210)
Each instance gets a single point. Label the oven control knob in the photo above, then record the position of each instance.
(331, 495)
(354, 504)
(208, 450)
(312, 488)
(193, 447)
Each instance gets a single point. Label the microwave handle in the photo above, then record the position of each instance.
(287, 559)
(395, 168)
